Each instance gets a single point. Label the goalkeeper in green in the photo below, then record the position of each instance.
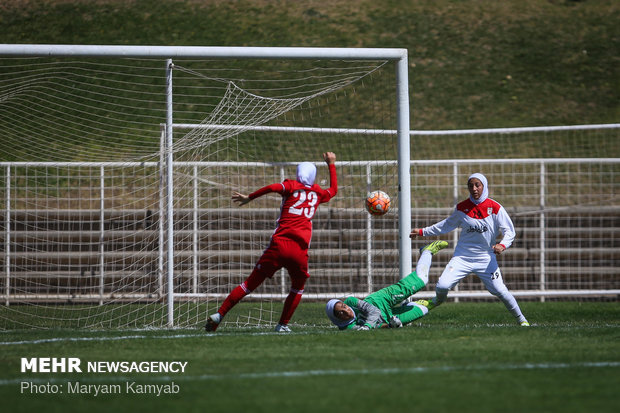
(383, 308)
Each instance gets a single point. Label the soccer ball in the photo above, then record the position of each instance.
(377, 203)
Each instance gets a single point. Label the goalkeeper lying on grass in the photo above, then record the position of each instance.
(383, 309)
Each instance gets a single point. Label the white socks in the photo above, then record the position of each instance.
(423, 266)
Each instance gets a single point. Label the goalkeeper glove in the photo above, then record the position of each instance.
(395, 322)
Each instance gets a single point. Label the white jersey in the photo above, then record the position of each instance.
(481, 225)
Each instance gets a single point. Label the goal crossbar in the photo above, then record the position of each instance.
(213, 52)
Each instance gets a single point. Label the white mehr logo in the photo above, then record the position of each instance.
(51, 365)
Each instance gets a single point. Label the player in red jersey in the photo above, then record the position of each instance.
(289, 243)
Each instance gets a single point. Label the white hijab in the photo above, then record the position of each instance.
(329, 310)
(485, 190)
(306, 173)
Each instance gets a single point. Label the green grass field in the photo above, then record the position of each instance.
(472, 65)
(461, 357)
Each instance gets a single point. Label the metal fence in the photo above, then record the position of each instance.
(91, 232)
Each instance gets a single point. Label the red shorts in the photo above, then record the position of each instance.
(282, 252)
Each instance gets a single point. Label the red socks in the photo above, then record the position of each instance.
(290, 304)
(233, 298)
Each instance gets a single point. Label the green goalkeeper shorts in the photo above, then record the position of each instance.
(388, 298)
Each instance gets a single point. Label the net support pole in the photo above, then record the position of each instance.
(195, 228)
(404, 178)
(162, 211)
(101, 233)
(455, 195)
(282, 274)
(543, 281)
(369, 235)
(7, 238)
(169, 199)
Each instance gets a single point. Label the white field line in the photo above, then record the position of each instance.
(326, 330)
(140, 337)
(112, 338)
(317, 373)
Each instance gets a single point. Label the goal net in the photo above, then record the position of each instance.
(117, 175)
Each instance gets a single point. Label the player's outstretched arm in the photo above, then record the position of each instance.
(330, 159)
(240, 198)
(415, 233)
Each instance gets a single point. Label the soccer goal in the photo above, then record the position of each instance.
(118, 165)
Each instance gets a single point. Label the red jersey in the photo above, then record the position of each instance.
(299, 204)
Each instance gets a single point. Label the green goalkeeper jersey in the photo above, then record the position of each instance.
(379, 307)
(366, 314)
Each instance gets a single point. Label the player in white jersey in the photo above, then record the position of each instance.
(481, 219)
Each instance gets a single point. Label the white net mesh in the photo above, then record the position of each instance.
(84, 230)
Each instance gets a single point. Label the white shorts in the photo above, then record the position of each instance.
(484, 266)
